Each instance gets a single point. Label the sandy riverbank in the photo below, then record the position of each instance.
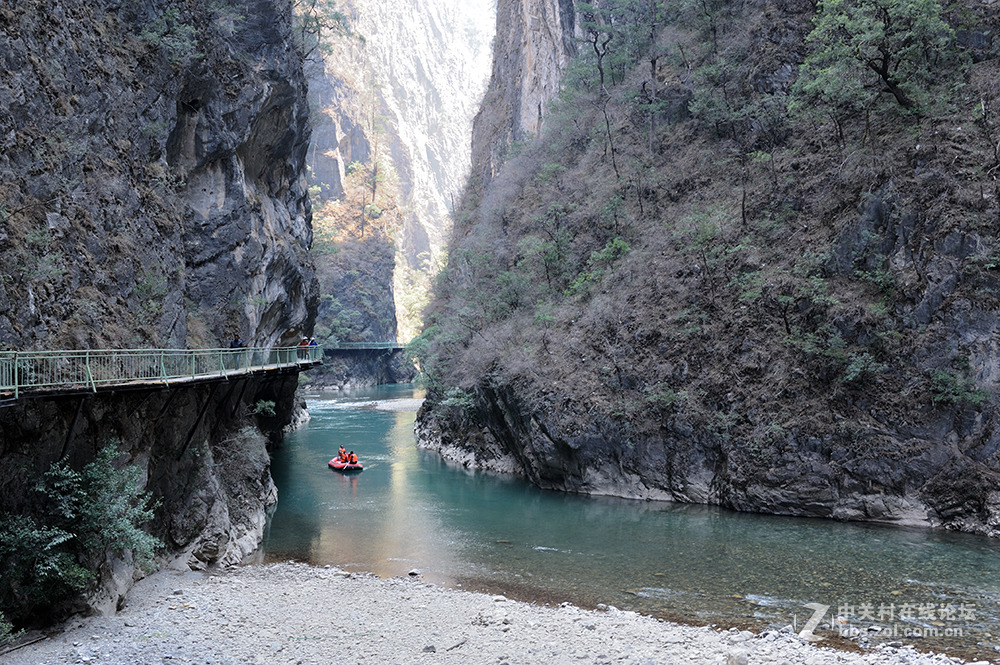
(297, 614)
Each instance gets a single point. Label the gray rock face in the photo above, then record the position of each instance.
(152, 159)
(533, 45)
(344, 370)
(512, 430)
(206, 463)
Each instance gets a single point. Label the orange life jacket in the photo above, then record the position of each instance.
(354, 459)
(343, 454)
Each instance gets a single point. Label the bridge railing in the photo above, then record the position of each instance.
(26, 370)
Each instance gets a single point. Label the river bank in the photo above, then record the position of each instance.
(291, 613)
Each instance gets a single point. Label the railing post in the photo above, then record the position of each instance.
(90, 374)
(163, 368)
(17, 376)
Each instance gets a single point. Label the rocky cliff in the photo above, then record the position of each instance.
(396, 101)
(153, 194)
(152, 166)
(716, 277)
(534, 44)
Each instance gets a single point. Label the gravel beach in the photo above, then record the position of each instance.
(298, 614)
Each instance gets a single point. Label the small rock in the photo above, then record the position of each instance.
(736, 658)
(430, 648)
(601, 607)
(178, 592)
(414, 573)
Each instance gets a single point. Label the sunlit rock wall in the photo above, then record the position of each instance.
(422, 70)
(534, 43)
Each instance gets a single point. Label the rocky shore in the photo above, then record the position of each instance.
(302, 615)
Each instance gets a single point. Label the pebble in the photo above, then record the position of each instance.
(299, 615)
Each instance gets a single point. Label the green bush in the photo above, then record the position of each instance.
(458, 398)
(862, 49)
(51, 556)
(952, 389)
(264, 407)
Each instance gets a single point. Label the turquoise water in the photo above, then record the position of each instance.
(410, 510)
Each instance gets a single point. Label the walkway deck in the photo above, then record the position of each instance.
(37, 373)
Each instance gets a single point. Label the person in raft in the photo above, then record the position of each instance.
(342, 454)
(353, 459)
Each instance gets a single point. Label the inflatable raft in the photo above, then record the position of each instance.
(338, 464)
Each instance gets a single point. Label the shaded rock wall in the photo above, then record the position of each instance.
(205, 460)
(344, 370)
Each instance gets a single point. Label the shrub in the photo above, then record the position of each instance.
(50, 557)
(264, 407)
(952, 389)
(458, 398)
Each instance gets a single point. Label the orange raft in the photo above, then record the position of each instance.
(338, 464)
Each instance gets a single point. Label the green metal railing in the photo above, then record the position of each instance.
(34, 370)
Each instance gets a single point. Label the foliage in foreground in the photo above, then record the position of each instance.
(55, 553)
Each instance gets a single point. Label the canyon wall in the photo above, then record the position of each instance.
(534, 44)
(152, 195)
(396, 100)
(152, 165)
(700, 283)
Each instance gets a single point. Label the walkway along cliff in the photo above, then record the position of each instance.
(720, 263)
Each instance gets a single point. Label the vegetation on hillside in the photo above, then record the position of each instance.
(764, 222)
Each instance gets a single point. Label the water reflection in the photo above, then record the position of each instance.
(409, 509)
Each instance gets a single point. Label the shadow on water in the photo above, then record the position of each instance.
(409, 509)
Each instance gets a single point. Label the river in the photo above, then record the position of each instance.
(409, 510)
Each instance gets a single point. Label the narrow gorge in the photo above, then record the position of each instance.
(394, 103)
(737, 254)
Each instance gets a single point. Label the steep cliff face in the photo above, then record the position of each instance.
(205, 462)
(685, 291)
(534, 43)
(153, 194)
(152, 168)
(398, 105)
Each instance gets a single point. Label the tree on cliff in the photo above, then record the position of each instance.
(862, 49)
(317, 22)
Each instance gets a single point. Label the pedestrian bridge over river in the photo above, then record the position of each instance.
(51, 373)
